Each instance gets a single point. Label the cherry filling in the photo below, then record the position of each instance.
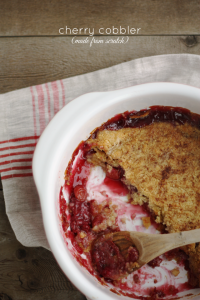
(136, 278)
(80, 192)
(156, 294)
(133, 254)
(178, 255)
(80, 216)
(155, 262)
(174, 115)
(108, 260)
(114, 173)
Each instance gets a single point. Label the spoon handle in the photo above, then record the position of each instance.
(186, 237)
(153, 245)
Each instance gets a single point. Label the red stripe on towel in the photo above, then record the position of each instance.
(15, 161)
(49, 101)
(17, 168)
(55, 96)
(33, 103)
(63, 93)
(19, 146)
(41, 107)
(21, 139)
(17, 153)
(16, 175)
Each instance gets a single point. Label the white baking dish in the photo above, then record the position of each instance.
(68, 128)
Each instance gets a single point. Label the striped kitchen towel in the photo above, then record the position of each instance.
(25, 113)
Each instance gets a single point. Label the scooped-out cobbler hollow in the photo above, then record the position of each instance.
(152, 157)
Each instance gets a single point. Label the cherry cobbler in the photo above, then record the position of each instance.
(138, 171)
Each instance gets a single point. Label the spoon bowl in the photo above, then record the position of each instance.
(149, 246)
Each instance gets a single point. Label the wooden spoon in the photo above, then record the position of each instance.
(150, 246)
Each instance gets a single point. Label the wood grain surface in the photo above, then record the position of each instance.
(29, 273)
(154, 17)
(35, 60)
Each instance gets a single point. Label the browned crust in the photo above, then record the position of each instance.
(163, 162)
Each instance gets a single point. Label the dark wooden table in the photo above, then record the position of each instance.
(33, 52)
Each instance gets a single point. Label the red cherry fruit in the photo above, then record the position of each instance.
(136, 278)
(80, 192)
(156, 294)
(114, 174)
(155, 262)
(97, 220)
(133, 254)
